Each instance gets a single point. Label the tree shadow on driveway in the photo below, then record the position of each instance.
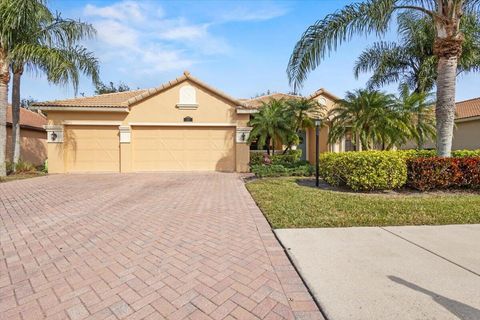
(459, 309)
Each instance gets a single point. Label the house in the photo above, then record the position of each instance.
(466, 134)
(182, 125)
(307, 138)
(33, 136)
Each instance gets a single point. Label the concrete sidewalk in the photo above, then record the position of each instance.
(415, 272)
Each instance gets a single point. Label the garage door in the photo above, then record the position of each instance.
(183, 149)
(92, 148)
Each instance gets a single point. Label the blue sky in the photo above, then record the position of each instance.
(240, 47)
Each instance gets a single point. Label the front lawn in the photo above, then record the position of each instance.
(288, 204)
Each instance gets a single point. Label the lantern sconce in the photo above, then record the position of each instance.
(53, 136)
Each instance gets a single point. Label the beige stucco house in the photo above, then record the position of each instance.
(307, 145)
(33, 137)
(466, 134)
(183, 125)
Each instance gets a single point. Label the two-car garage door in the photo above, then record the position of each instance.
(183, 149)
(153, 148)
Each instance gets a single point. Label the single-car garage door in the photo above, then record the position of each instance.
(183, 149)
(92, 148)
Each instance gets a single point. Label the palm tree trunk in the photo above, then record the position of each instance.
(445, 109)
(17, 74)
(4, 80)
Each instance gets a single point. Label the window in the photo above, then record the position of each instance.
(349, 143)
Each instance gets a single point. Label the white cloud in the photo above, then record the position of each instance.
(138, 37)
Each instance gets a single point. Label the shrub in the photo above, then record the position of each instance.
(256, 158)
(21, 167)
(291, 158)
(442, 173)
(277, 170)
(366, 170)
(433, 153)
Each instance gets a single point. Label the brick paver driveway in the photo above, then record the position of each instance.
(142, 246)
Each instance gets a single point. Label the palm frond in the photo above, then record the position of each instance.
(327, 35)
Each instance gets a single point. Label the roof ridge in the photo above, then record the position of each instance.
(271, 94)
(477, 98)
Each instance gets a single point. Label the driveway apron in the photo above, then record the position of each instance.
(142, 246)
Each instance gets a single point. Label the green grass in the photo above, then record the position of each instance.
(286, 204)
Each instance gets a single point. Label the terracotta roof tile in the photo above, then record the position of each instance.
(255, 103)
(28, 118)
(109, 100)
(468, 108)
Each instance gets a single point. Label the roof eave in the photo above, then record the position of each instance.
(81, 109)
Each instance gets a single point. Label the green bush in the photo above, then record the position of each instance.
(256, 158)
(21, 167)
(291, 158)
(277, 170)
(366, 170)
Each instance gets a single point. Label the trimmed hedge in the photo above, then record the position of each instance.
(442, 173)
(277, 170)
(433, 153)
(366, 170)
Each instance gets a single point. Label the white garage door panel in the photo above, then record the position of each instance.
(183, 149)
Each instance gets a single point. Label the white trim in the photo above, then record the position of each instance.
(91, 123)
(125, 134)
(246, 111)
(94, 109)
(182, 124)
(468, 119)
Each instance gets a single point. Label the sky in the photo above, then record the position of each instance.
(239, 47)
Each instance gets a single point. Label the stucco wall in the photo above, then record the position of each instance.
(157, 110)
(33, 145)
(466, 135)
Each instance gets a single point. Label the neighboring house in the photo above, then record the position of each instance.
(466, 134)
(183, 125)
(307, 139)
(33, 136)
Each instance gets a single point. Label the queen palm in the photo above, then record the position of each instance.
(374, 16)
(47, 43)
(32, 37)
(411, 61)
(271, 125)
(373, 117)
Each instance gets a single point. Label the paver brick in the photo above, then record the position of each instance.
(142, 246)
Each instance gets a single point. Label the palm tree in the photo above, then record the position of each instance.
(419, 111)
(271, 125)
(412, 62)
(48, 44)
(301, 111)
(374, 16)
(372, 117)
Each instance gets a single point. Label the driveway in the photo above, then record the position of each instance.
(142, 246)
(415, 272)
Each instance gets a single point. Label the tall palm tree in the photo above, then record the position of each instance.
(411, 61)
(271, 125)
(48, 44)
(374, 16)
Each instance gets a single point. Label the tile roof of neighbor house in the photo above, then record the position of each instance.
(256, 102)
(28, 119)
(127, 98)
(468, 108)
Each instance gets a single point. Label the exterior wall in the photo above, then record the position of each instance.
(323, 142)
(157, 111)
(33, 145)
(466, 135)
